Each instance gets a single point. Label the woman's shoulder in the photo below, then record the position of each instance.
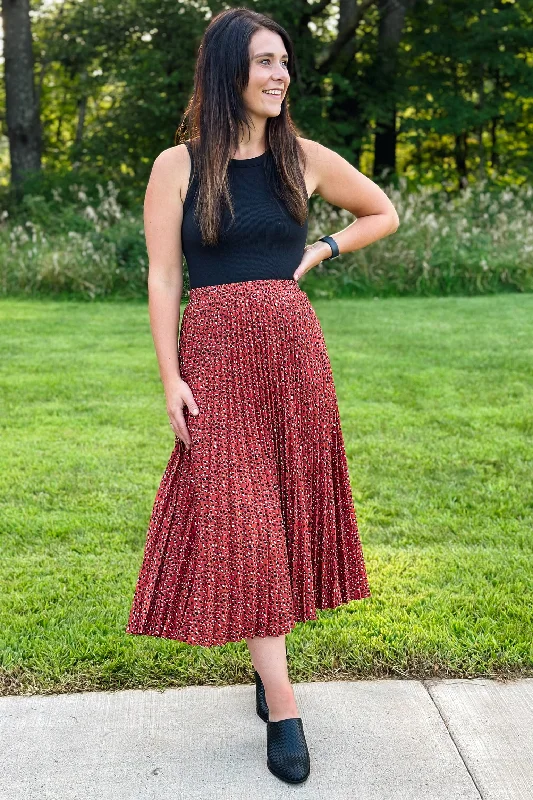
(175, 164)
(315, 153)
(311, 148)
(314, 159)
(177, 156)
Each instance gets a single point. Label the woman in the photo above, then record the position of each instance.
(253, 527)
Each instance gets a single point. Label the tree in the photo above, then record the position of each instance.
(392, 15)
(22, 105)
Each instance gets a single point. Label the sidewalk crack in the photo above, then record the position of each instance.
(427, 686)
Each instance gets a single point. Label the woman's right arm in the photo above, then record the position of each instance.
(163, 215)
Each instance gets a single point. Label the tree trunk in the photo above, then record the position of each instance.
(385, 146)
(494, 155)
(460, 158)
(391, 22)
(22, 108)
(80, 127)
(480, 106)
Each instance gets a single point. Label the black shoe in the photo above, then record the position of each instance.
(261, 704)
(287, 753)
(260, 700)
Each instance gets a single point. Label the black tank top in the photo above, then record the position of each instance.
(263, 242)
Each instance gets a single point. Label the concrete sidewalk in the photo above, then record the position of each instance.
(374, 740)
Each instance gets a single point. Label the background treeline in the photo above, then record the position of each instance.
(432, 99)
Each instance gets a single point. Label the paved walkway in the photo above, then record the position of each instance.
(373, 740)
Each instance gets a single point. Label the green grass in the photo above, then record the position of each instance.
(435, 397)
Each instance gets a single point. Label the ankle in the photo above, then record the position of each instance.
(281, 704)
(276, 715)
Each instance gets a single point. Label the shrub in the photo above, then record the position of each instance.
(76, 241)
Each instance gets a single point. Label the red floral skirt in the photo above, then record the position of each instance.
(253, 529)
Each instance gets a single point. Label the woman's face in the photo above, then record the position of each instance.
(268, 71)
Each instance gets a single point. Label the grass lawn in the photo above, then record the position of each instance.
(436, 404)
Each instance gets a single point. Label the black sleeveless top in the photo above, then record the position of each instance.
(263, 242)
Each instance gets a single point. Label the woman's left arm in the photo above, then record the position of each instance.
(341, 184)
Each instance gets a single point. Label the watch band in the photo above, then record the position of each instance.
(334, 247)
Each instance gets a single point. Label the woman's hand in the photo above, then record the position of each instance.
(178, 396)
(313, 255)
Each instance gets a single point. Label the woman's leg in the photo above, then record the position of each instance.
(270, 660)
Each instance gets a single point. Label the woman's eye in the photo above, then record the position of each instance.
(267, 59)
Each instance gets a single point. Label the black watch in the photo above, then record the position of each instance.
(334, 247)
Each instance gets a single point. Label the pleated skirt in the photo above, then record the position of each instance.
(253, 529)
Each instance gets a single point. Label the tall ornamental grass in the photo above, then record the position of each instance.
(82, 242)
(479, 241)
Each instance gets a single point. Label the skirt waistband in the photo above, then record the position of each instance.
(237, 289)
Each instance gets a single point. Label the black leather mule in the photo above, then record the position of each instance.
(287, 753)
(260, 699)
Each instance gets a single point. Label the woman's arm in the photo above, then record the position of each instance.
(163, 215)
(341, 184)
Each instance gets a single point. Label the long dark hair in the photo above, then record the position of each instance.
(216, 111)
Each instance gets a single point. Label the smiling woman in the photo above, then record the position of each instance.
(253, 527)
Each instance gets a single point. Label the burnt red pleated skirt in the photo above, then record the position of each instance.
(253, 529)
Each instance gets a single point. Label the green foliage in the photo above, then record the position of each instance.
(467, 85)
(61, 200)
(115, 79)
(477, 241)
(73, 241)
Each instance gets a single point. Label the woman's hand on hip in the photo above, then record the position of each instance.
(312, 256)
